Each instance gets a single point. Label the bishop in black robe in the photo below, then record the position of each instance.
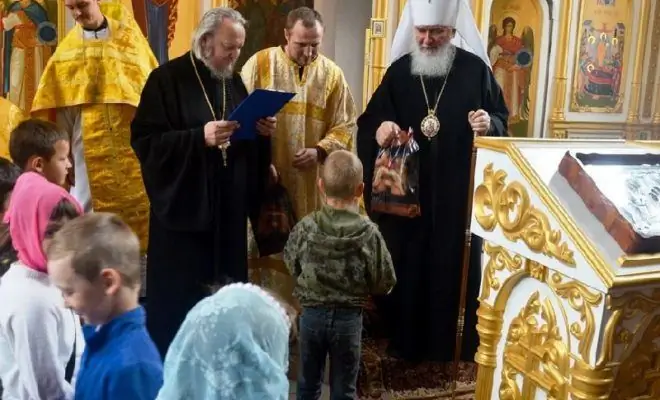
(421, 313)
(199, 207)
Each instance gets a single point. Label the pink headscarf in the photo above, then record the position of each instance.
(32, 203)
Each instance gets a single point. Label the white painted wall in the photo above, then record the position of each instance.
(346, 22)
(328, 11)
(353, 18)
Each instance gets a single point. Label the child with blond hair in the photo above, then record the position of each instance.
(338, 258)
(95, 262)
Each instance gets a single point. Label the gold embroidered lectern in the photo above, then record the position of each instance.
(570, 291)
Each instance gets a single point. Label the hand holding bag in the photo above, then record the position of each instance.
(395, 186)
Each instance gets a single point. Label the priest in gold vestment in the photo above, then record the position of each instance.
(320, 119)
(91, 87)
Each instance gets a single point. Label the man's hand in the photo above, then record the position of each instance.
(217, 133)
(306, 158)
(479, 121)
(266, 126)
(386, 132)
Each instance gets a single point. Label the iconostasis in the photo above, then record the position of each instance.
(578, 69)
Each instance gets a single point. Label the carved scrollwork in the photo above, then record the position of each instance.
(499, 259)
(634, 303)
(631, 305)
(577, 295)
(536, 270)
(626, 307)
(581, 300)
(639, 374)
(509, 206)
(535, 349)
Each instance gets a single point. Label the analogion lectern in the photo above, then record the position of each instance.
(570, 291)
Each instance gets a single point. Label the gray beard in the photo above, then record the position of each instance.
(224, 73)
(434, 65)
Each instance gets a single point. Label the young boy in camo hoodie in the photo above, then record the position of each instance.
(338, 258)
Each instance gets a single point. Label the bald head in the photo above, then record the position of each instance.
(341, 176)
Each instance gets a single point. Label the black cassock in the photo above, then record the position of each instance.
(422, 311)
(199, 208)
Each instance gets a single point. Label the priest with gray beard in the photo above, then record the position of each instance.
(202, 185)
(446, 94)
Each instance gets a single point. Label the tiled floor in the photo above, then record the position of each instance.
(325, 395)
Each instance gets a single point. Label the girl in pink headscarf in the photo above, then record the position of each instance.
(40, 339)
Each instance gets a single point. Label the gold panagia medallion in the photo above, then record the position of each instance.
(430, 126)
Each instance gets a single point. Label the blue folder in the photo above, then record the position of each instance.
(259, 104)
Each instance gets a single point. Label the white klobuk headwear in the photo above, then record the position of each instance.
(455, 13)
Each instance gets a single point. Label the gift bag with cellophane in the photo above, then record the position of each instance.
(395, 186)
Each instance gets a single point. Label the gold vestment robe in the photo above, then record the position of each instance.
(104, 77)
(322, 114)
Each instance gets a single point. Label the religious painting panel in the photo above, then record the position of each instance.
(602, 51)
(28, 40)
(267, 19)
(157, 19)
(514, 44)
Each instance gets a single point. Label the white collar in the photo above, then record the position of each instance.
(100, 34)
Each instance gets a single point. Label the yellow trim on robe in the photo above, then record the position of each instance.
(10, 116)
(105, 77)
(322, 114)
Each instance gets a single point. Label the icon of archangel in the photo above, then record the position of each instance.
(512, 57)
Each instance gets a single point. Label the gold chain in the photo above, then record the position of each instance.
(206, 96)
(437, 101)
(223, 147)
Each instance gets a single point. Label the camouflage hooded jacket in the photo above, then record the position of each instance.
(338, 257)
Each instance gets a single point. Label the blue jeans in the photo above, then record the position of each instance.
(333, 331)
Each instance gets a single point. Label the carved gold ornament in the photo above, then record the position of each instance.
(509, 206)
(498, 260)
(576, 294)
(630, 306)
(639, 373)
(583, 301)
(535, 349)
(536, 270)
(633, 328)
